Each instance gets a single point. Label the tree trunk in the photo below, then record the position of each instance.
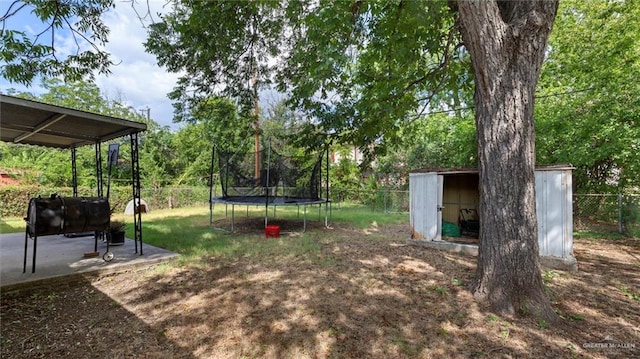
(507, 42)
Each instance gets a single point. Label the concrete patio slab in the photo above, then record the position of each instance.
(60, 257)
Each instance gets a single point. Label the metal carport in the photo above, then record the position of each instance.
(35, 123)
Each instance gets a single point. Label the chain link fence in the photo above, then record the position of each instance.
(172, 197)
(613, 213)
(607, 213)
(591, 212)
(383, 200)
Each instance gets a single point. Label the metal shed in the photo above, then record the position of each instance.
(438, 195)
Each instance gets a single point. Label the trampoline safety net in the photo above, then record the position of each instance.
(280, 178)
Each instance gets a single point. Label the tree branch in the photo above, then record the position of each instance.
(8, 14)
(148, 16)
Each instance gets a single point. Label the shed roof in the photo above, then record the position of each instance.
(36, 123)
(473, 170)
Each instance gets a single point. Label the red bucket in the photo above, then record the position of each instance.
(272, 231)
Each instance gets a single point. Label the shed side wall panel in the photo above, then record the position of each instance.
(423, 188)
(553, 209)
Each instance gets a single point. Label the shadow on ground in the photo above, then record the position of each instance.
(340, 292)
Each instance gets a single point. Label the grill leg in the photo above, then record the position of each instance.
(26, 241)
(35, 245)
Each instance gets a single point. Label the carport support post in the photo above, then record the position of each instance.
(99, 168)
(326, 185)
(135, 184)
(74, 172)
(99, 180)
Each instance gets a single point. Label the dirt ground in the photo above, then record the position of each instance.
(346, 294)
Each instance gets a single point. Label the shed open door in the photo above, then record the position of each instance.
(555, 213)
(426, 206)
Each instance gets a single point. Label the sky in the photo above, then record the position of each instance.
(136, 80)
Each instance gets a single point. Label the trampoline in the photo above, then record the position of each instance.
(271, 177)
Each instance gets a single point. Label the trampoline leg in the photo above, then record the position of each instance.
(326, 212)
(330, 212)
(233, 212)
(304, 228)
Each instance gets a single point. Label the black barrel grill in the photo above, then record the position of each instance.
(64, 215)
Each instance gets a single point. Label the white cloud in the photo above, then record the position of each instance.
(136, 79)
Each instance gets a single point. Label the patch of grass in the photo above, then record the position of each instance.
(547, 278)
(542, 324)
(549, 275)
(629, 294)
(575, 316)
(493, 318)
(362, 217)
(334, 331)
(11, 225)
(443, 291)
(52, 296)
(186, 234)
(597, 235)
(403, 345)
(161, 268)
(186, 231)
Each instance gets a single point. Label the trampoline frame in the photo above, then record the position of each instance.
(267, 200)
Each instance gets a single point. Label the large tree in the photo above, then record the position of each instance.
(507, 43)
(385, 60)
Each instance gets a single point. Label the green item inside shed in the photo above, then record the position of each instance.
(450, 229)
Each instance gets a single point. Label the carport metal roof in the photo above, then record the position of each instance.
(36, 123)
